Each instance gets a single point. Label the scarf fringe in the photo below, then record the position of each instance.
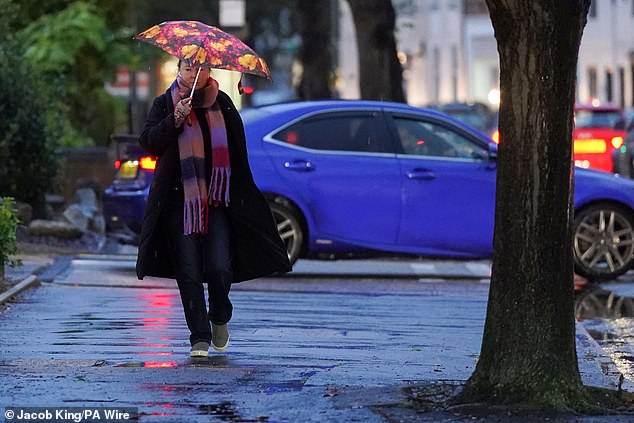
(220, 185)
(195, 216)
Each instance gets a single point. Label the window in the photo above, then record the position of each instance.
(632, 78)
(621, 86)
(475, 7)
(342, 131)
(436, 70)
(421, 138)
(608, 85)
(592, 82)
(454, 72)
(597, 118)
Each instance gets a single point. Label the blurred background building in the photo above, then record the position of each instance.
(606, 57)
(449, 53)
(446, 47)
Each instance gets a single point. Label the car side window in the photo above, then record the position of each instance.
(342, 132)
(423, 138)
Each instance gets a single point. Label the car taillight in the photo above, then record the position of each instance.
(147, 163)
(592, 146)
(117, 164)
(617, 142)
(496, 136)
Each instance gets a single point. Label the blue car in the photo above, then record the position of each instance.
(359, 177)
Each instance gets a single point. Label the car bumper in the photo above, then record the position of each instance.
(124, 209)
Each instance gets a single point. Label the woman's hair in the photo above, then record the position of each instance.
(183, 62)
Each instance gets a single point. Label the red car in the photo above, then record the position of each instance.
(599, 139)
(599, 136)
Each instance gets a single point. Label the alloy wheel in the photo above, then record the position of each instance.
(604, 242)
(289, 229)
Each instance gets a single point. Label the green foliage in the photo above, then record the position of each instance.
(74, 41)
(8, 225)
(55, 57)
(53, 41)
(30, 123)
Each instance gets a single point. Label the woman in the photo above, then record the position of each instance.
(205, 219)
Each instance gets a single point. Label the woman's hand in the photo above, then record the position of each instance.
(181, 111)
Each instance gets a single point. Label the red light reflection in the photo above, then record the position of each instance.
(160, 364)
(155, 353)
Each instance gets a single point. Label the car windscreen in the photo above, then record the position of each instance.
(597, 119)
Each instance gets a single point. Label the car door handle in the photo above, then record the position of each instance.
(299, 165)
(424, 174)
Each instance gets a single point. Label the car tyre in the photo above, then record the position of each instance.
(290, 229)
(603, 242)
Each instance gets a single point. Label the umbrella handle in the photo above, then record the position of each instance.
(195, 82)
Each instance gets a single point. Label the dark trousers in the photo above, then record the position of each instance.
(200, 259)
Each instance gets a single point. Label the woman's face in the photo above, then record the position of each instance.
(188, 73)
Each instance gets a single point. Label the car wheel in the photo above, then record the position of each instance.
(603, 241)
(290, 229)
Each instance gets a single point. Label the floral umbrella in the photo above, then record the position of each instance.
(205, 46)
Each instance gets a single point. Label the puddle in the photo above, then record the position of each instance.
(290, 386)
(222, 411)
(155, 353)
(152, 364)
(211, 361)
(179, 388)
(602, 336)
(606, 312)
(597, 302)
(225, 411)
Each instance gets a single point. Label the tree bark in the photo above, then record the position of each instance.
(380, 72)
(317, 49)
(528, 349)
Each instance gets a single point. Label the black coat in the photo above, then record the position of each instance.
(256, 247)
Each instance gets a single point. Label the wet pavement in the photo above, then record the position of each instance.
(31, 263)
(302, 349)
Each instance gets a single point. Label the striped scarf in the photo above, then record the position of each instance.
(199, 197)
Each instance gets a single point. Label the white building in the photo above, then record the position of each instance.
(449, 52)
(429, 41)
(606, 56)
(479, 48)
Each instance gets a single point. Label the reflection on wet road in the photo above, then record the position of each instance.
(606, 311)
(302, 349)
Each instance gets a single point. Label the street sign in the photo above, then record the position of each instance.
(232, 13)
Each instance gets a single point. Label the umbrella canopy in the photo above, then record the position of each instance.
(205, 46)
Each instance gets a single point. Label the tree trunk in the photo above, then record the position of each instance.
(316, 52)
(380, 72)
(528, 349)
